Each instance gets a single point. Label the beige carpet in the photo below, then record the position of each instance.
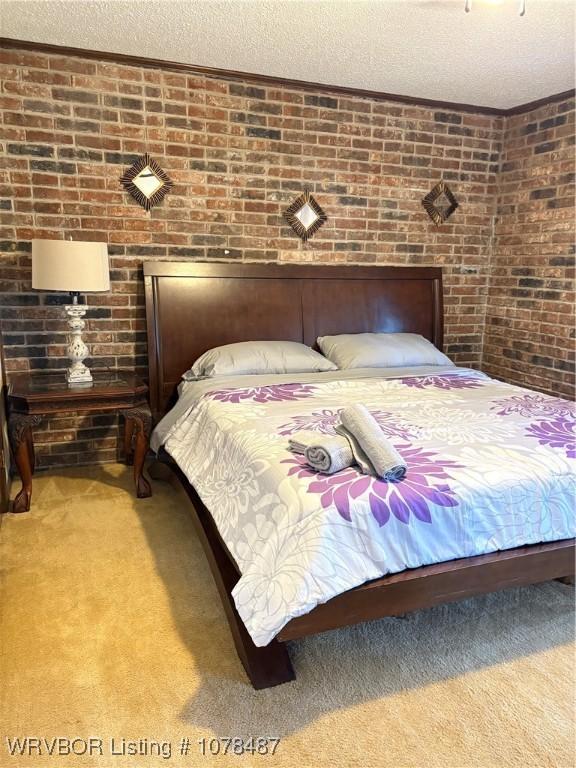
(111, 627)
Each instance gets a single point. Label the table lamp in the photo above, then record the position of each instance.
(75, 267)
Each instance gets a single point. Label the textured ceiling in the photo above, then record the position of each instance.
(423, 48)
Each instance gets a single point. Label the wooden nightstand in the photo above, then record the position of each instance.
(33, 395)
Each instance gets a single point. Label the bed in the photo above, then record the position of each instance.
(194, 307)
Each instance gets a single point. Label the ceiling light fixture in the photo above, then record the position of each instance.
(468, 5)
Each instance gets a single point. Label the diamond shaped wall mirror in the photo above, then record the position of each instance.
(305, 216)
(440, 203)
(146, 182)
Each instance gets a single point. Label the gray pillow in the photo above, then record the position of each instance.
(247, 357)
(381, 350)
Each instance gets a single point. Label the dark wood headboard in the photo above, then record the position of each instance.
(192, 307)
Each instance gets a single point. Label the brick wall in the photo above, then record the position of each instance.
(529, 336)
(238, 154)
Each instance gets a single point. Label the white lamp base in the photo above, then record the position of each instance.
(77, 374)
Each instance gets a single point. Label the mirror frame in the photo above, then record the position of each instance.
(156, 197)
(290, 215)
(438, 215)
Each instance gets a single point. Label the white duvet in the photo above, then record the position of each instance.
(490, 466)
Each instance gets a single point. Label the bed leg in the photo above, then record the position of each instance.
(266, 666)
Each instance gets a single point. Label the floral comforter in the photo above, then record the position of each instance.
(490, 467)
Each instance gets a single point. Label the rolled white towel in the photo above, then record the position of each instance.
(370, 445)
(329, 454)
(299, 441)
(360, 457)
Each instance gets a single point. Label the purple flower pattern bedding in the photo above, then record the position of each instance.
(490, 467)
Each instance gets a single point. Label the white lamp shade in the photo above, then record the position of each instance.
(70, 266)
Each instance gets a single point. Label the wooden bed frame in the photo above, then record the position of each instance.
(193, 307)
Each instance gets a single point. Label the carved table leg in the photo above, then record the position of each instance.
(31, 451)
(128, 435)
(22, 444)
(138, 424)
